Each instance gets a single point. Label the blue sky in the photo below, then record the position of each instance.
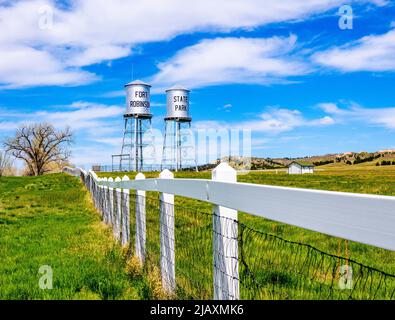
(283, 69)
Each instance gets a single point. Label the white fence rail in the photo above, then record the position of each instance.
(368, 219)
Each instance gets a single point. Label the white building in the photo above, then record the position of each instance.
(297, 167)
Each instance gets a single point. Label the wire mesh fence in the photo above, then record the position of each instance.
(194, 253)
(152, 232)
(193, 247)
(182, 242)
(270, 267)
(283, 269)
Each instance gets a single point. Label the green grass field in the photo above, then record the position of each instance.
(193, 237)
(358, 179)
(49, 221)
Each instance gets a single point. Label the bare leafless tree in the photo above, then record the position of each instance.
(5, 162)
(39, 145)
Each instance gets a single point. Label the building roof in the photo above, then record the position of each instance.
(137, 82)
(302, 163)
(177, 87)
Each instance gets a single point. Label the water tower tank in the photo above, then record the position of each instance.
(138, 99)
(178, 103)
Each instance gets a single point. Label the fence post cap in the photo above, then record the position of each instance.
(110, 179)
(118, 179)
(139, 176)
(166, 174)
(125, 178)
(224, 172)
(105, 179)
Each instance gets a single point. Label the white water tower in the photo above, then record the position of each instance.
(179, 144)
(137, 123)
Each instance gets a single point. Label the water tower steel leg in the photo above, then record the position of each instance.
(123, 144)
(179, 146)
(164, 147)
(135, 145)
(141, 144)
(176, 144)
(131, 144)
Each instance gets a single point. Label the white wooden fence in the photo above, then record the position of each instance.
(368, 219)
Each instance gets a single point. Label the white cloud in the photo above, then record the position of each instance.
(281, 120)
(273, 121)
(330, 108)
(113, 94)
(370, 53)
(85, 156)
(22, 66)
(88, 32)
(231, 60)
(98, 54)
(352, 112)
(227, 107)
(382, 116)
(113, 141)
(86, 115)
(97, 128)
(95, 119)
(322, 121)
(278, 120)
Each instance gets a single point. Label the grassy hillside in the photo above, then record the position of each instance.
(50, 221)
(346, 159)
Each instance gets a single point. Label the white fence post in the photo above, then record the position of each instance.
(90, 183)
(110, 203)
(103, 196)
(117, 222)
(125, 214)
(167, 256)
(225, 242)
(105, 202)
(140, 222)
(100, 197)
(95, 191)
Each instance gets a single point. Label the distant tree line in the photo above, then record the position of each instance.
(255, 166)
(367, 159)
(358, 159)
(323, 162)
(386, 163)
